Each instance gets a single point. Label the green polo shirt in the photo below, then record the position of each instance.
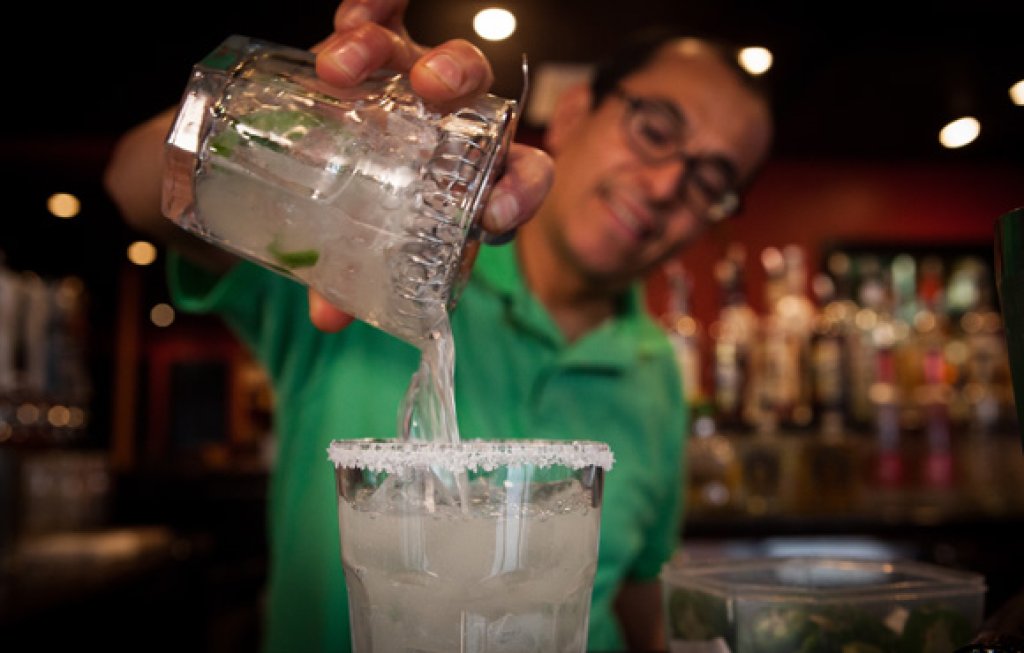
(515, 377)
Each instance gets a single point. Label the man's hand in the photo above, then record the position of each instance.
(370, 34)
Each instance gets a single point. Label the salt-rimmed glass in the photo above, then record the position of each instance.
(471, 546)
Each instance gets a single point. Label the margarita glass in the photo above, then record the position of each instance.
(474, 546)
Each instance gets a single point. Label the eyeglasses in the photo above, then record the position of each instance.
(655, 130)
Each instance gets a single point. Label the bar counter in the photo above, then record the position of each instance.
(182, 564)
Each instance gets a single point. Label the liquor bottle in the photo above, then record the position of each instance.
(829, 459)
(798, 311)
(980, 354)
(786, 338)
(10, 311)
(764, 455)
(733, 335)
(879, 334)
(771, 395)
(905, 309)
(930, 336)
(829, 356)
(684, 331)
(986, 374)
(860, 409)
(840, 314)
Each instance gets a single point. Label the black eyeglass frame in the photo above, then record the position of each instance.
(727, 204)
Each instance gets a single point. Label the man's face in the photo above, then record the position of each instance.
(615, 212)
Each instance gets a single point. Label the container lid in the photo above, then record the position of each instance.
(818, 578)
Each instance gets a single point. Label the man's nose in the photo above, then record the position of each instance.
(665, 179)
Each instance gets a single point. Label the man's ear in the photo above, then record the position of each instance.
(569, 110)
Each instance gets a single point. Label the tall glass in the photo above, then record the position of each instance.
(1009, 257)
(366, 193)
(475, 546)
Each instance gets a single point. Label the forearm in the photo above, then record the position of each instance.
(638, 607)
(133, 174)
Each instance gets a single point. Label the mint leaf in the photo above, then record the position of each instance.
(286, 123)
(259, 127)
(224, 143)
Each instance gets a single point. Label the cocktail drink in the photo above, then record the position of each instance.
(366, 194)
(474, 546)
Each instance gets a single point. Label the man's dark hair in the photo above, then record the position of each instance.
(640, 47)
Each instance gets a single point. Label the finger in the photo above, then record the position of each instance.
(346, 58)
(355, 13)
(326, 317)
(451, 72)
(519, 192)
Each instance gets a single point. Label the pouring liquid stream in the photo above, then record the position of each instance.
(428, 408)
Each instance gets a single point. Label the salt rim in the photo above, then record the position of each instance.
(392, 456)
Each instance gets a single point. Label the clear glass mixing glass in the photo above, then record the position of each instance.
(365, 194)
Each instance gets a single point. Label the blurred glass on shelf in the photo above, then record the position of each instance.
(713, 468)
(63, 491)
(45, 386)
(829, 479)
(49, 491)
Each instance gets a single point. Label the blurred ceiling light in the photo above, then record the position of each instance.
(960, 132)
(756, 60)
(494, 24)
(162, 315)
(141, 252)
(1017, 93)
(63, 205)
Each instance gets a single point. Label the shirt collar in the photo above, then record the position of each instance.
(616, 344)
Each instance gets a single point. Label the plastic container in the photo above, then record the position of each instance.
(819, 605)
